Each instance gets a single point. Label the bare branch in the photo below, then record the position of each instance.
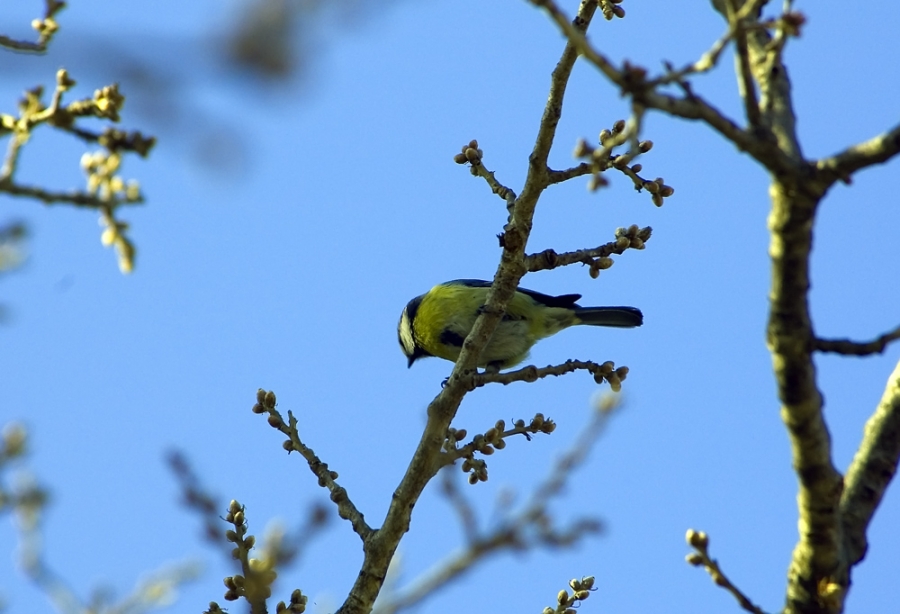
(857, 348)
(633, 81)
(45, 27)
(878, 150)
(601, 372)
(872, 469)
(78, 199)
(529, 527)
(700, 542)
(817, 554)
(597, 257)
(473, 155)
(327, 478)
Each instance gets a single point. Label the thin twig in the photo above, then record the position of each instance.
(601, 372)
(46, 27)
(857, 348)
(327, 478)
(700, 542)
(745, 72)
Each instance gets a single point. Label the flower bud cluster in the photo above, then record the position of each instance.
(611, 8)
(609, 373)
(567, 603)
(601, 158)
(470, 153)
(632, 237)
(260, 573)
(490, 441)
(296, 606)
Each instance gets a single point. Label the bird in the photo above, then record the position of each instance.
(437, 322)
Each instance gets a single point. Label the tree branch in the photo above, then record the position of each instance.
(872, 469)
(379, 547)
(817, 554)
(857, 348)
(327, 478)
(878, 150)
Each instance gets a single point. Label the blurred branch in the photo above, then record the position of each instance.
(857, 348)
(106, 189)
(12, 250)
(872, 469)
(28, 500)
(46, 28)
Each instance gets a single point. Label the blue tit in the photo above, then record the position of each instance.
(437, 323)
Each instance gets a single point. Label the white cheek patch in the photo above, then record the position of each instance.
(404, 331)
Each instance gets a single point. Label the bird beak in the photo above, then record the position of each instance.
(412, 359)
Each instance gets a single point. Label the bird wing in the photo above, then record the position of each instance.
(565, 300)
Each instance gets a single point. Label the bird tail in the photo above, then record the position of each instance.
(620, 317)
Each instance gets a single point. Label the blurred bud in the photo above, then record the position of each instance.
(694, 559)
(275, 421)
(614, 382)
(619, 126)
(697, 539)
(645, 146)
(582, 149)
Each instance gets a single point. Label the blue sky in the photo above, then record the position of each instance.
(286, 226)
